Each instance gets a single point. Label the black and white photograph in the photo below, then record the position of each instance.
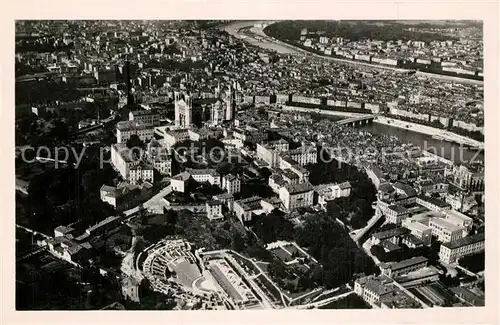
(223, 165)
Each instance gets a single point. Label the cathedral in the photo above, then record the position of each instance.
(224, 107)
(183, 109)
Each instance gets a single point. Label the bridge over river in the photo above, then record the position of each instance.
(357, 120)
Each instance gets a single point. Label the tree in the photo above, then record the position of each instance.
(474, 263)
(277, 269)
(237, 242)
(437, 123)
(90, 181)
(135, 141)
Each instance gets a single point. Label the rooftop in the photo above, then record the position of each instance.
(398, 208)
(299, 188)
(434, 201)
(143, 112)
(390, 233)
(64, 229)
(223, 196)
(413, 240)
(345, 185)
(415, 224)
(400, 300)
(205, 171)
(407, 263)
(213, 202)
(445, 224)
(251, 203)
(455, 216)
(184, 176)
(389, 246)
(469, 240)
(131, 125)
(103, 222)
(379, 286)
(229, 177)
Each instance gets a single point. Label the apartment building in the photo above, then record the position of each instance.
(374, 289)
(163, 165)
(123, 159)
(269, 152)
(141, 173)
(250, 134)
(231, 184)
(180, 182)
(286, 162)
(226, 199)
(125, 129)
(148, 117)
(244, 208)
(452, 251)
(432, 204)
(214, 209)
(125, 196)
(296, 195)
(304, 155)
(396, 214)
(205, 175)
(329, 192)
(375, 175)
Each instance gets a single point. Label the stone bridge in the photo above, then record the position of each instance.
(358, 120)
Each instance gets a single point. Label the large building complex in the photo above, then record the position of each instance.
(452, 251)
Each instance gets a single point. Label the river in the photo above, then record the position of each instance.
(444, 149)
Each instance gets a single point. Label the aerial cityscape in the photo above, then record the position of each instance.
(233, 165)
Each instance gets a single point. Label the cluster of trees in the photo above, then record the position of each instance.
(356, 209)
(150, 299)
(473, 263)
(31, 131)
(294, 279)
(256, 187)
(273, 227)
(325, 240)
(65, 195)
(22, 69)
(475, 135)
(196, 228)
(353, 30)
(330, 244)
(226, 167)
(65, 289)
(45, 92)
